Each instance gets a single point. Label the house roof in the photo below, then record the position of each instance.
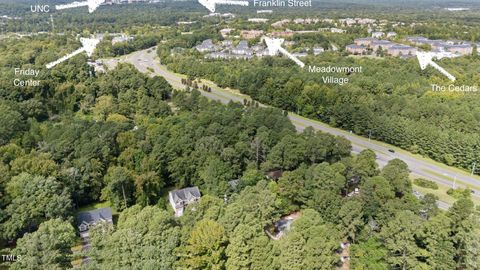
(415, 38)
(366, 39)
(94, 215)
(233, 184)
(275, 174)
(458, 46)
(242, 45)
(185, 195)
(381, 42)
(206, 44)
(401, 47)
(355, 46)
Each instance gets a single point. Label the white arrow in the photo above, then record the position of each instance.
(274, 46)
(211, 4)
(91, 4)
(425, 59)
(88, 46)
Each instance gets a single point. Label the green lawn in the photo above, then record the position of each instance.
(441, 193)
(451, 179)
(94, 206)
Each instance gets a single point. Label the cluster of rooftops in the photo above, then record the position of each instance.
(227, 50)
(178, 199)
(363, 46)
(371, 45)
(459, 47)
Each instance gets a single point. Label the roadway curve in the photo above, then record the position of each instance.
(146, 61)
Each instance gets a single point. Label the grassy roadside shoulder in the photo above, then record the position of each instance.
(441, 192)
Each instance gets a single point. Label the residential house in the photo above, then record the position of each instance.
(223, 15)
(383, 44)
(206, 46)
(234, 184)
(367, 42)
(337, 30)
(306, 21)
(186, 22)
(460, 49)
(264, 11)
(228, 15)
(365, 21)
(87, 219)
(217, 55)
(456, 42)
(251, 34)
(225, 32)
(262, 53)
(435, 44)
(391, 35)
(300, 54)
(355, 192)
(402, 50)
(97, 66)
(378, 34)
(417, 40)
(287, 33)
(224, 55)
(180, 198)
(347, 21)
(299, 21)
(281, 23)
(274, 174)
(122, 38)
(281, 226)
(242, 48)
(318, 50)
(356, 49)
(258, 20)
(258, 47)
(227, 43)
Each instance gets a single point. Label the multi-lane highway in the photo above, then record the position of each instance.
(146, 61)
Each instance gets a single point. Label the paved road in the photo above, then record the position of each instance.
(146, 62)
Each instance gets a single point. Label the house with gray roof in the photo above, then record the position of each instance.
(384, 44)
(356, 49)
(180, 198)
(391, 34)
(364, 41)
(206, 46)
(416, 39)
(242, 48)
(318, 50)
(121, 38)
(262, 53)
(460, 49)
(377, 34)
(87, 219)
(402, 50)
